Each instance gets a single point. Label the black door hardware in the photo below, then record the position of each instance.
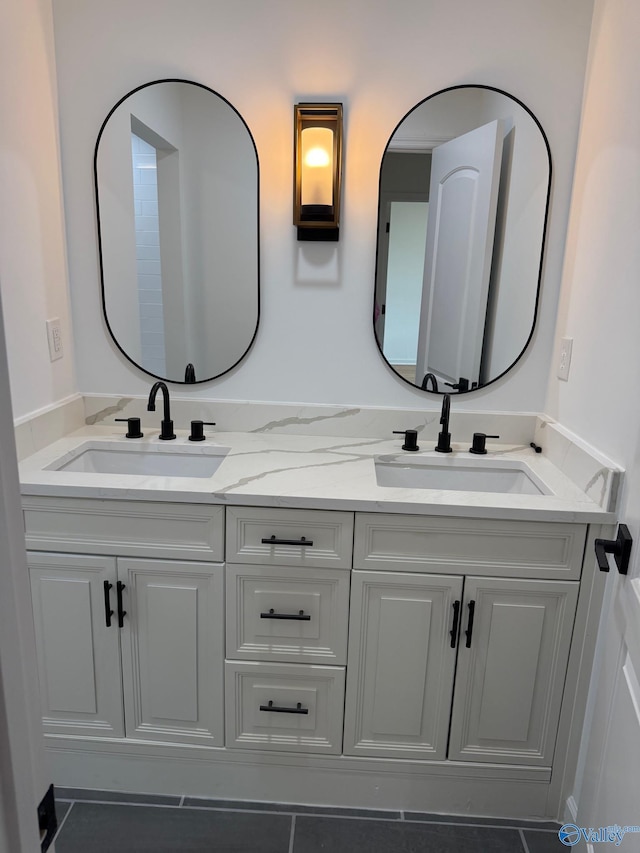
(478, 444)
(620, 547)
(535, 446)
(461, 385)
(301, 616)
(469, 631)
(410, 438)
(272, 540)
(121, 613)
(278, 710)
(133, 427)
(47, 820)
(456, 618)
(108, 612)
(197, 430)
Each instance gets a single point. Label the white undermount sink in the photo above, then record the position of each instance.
(108, 457)
(508, 476)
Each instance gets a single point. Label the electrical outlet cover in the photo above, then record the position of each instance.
(566, 345)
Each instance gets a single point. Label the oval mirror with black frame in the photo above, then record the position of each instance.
(463, 202)
(176, 178)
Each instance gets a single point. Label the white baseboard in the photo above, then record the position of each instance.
(439, 787)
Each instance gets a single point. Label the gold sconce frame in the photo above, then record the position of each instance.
(317, 164)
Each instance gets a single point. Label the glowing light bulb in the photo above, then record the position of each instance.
(317, 157)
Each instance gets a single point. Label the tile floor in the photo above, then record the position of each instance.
(106, 822)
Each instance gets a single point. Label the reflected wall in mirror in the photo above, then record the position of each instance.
(464, 195)
(176, 172)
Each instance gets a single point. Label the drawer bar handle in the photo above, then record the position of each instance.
(108, 612)
(456, 618)
(469, 631)
(277, 710)
(301, 616)
(272, 540)
(121, 613)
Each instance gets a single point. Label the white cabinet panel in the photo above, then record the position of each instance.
(523, 549)
(511, 669)
(128, 528)
(173, 650)
(328, 537)
(287, 614)
(290, 707)
(78, 654)
(400, 664)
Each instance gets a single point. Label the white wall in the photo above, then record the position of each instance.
(315, 342)
(600, 303)
(32, 254)
(600, 309)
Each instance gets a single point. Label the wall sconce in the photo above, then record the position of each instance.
(317, 171)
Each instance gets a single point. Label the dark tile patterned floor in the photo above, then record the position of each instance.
(108, 822)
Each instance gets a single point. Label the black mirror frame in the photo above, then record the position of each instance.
(99, 231)
(542, 245)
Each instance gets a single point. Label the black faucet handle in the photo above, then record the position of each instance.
(197, 430)
(133, 427)
(479, 442)
(410, 438)
(166, 430)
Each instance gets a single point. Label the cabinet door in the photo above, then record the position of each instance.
(511, 670)
(78, 654)
(172, 650)
(400, 664)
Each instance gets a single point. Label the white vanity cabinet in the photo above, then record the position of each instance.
(506, 638)
(287, 621)
(507, 641)
(129, 646)
(332, 649)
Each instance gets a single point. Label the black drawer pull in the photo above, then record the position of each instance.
(454, 630)
(469, 631)
(121, 613)
(272, 540)
(301, 616)
(278, 710)
(108, 612)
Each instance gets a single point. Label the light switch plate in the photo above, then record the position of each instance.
(566, 345)
(54, 336)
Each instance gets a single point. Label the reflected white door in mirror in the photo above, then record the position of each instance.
(464, 190)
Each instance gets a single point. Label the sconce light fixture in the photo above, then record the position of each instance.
(317, 171)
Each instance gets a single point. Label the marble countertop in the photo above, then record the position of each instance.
(309, 471)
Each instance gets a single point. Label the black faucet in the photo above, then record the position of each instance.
(166, 427)
(429, 379)
(444, 437)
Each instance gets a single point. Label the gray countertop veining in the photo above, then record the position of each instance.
(309, 471)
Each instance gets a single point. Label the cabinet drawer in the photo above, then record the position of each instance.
(132, 528)
(472, 546)
(287, 614)
(328, 537)
(290, 707)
